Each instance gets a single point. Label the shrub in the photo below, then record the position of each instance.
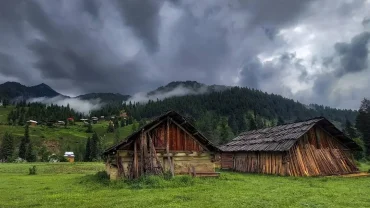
(32, 171)
(19, 160)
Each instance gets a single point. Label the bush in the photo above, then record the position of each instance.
(19, 160)
(32, 171)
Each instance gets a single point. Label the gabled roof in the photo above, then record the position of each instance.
(283, 137)
(175, 117)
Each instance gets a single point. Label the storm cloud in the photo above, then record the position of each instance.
(307, 50)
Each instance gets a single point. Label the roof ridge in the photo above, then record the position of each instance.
(259, 130)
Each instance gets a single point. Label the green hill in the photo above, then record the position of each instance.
(58, 139)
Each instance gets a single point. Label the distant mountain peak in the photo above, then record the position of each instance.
(15, 90)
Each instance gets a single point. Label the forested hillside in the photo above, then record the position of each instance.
(222, 114)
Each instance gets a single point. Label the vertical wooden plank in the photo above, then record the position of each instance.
(168, 147)
(136, 171)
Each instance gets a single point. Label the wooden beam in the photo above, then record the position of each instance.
(145, 131)
(135, 166)
(182, 128)
(168, 147)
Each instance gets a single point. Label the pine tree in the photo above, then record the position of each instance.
(134, 127)
(349, 130)
(95, 147)
(224, 132)
(232, 124)
(252, 124)
(22, 148)
(87, 156)
(280, 121)
(7, 147)
(110, 128)
(27, 133)
(21, 119)
(24, 142)
(123, 122)
(363, 124)
(89, 128)
(30, 155)
(116, 124)
(241, 122)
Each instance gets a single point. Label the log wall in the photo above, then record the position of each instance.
(260, 162)
(318, 153)
(167, 147)
(227, 160)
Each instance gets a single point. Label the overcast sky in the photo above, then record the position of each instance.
(314, 51)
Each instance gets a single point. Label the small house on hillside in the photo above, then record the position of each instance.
(70, 156)
(168, 143)
(61, 123)
(94, 120)
(32, 122)
(309, 148)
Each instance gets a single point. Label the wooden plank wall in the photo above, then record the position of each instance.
(152, 153)
(227, 160)
(179, 139)
(317, 153)
(260, 162)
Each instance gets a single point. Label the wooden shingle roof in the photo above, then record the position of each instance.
(283, 137)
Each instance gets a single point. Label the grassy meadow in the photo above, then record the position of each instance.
(75, 185)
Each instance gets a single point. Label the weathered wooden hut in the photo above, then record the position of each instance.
(309, 148)
(168, 143)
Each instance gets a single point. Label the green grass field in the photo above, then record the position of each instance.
(69, 185)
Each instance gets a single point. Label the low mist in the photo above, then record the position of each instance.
(143, 97)
(82, 106)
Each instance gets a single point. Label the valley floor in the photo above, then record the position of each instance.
(63, 185)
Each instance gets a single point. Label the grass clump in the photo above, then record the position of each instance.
(32, 170)
(144, 182)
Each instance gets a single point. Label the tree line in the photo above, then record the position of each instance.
(41, 113)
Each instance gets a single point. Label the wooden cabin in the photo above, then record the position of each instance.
(310, 148)
(167, 144)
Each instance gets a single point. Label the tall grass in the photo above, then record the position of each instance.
(101, 179)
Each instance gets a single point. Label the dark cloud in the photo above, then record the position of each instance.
(354, 55)
(255, 73)
(91, 7)
(128, 46)
(366, 22)
(274, 13)
(270, 32)
(142, 17)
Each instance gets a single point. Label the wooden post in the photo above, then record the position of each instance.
(152, 147)
(141, 154)
(145, 150)
(135, 166)
(168, 147)
(193, 170)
